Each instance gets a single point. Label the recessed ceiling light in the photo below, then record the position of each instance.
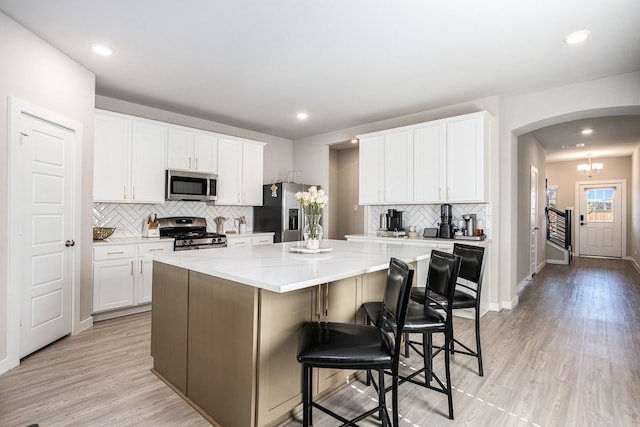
(102, 50)
(580, 145)
(354, 141)
(563, 147)
(576, 37)
(586, 131)
(302, 116)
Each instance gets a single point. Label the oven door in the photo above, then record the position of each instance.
(182, 185)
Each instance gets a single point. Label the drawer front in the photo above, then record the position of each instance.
(239, 241)
(150, 248)
(262, 240)
(113, 252)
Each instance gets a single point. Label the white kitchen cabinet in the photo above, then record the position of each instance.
(147, 162)
(111, 169)
(122, 274)
(192, 150)
(129, 159)
(429, 163)
(433, 162)
(386, 168)
(113, 277)
(467, 142)
(240, 166)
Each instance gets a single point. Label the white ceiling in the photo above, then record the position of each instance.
(254, 64)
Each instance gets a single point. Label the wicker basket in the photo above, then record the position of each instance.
(101, 233)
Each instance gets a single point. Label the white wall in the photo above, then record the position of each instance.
(617, 95)
(530, 153)
(634, 222)
(37, 73)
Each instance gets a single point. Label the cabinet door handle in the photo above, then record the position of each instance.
(326, 299)
(140, 266)
(440, 193)
(133, 192)
(189, 162)
(318, 298)
(124, 192)
(155, 249)
(132, 268)
(196, 163)
(115, 253)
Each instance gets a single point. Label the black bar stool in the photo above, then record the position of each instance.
(434, 316)
(361, 347)
(466, 295)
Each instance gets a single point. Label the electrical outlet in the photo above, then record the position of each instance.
(355, 208)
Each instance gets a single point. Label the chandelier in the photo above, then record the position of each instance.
(590, 169)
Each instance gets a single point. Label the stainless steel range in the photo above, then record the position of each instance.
(190, 233)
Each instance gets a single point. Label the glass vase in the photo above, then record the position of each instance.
(312, 231)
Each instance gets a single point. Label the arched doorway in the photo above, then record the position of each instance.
(524, 113)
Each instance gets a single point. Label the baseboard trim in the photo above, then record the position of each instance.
(121, 312)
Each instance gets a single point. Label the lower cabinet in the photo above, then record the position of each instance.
(122, 275)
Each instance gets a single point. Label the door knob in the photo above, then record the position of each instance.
(69, 243)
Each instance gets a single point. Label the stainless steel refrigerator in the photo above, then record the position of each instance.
(280, 212)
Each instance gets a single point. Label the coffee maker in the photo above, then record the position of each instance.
(470, 226)
(446, 227)
(394, 220)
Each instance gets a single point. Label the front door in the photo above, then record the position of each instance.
(600, 219)
(45, 181)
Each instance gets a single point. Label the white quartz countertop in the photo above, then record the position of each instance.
(277, 269)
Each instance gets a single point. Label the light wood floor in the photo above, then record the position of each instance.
(568, 355)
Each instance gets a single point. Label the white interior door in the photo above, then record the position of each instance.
(533, 222)
(601, 219)
(46, 181)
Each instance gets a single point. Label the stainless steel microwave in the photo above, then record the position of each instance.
(183, 185)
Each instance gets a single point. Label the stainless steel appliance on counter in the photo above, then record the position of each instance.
(183, 185)
(280, 212)
(190, 233)
(446, 226)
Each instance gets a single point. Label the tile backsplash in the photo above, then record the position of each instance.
(128, 218)
(428, 216)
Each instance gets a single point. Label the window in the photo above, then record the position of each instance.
(552, 197)
(600, 205)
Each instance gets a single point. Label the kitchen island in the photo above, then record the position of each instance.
(226, 322)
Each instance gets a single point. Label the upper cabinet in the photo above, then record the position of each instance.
(192, 150)
(386, 168)
(131, 155)
(433, 162)
(129, 159)
(467, 156)
(240, 166)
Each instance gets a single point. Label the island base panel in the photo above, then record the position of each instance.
(169, 323)
(222, 347)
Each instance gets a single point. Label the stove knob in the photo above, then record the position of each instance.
(191, 242)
